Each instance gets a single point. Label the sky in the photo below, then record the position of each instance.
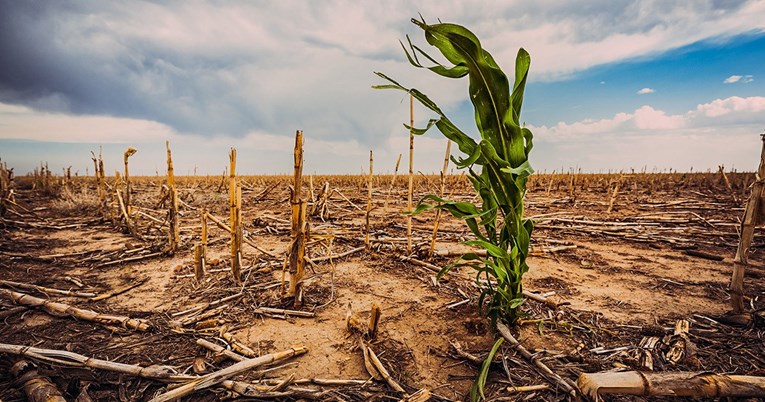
(613, 85)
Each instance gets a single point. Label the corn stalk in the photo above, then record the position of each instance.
(501, 154)
(128, 153)
(754, 215)
(235, 212)
(174, 229)
(300, 228)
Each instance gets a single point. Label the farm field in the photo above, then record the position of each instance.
(616, 260)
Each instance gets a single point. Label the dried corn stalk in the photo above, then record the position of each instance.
(38, 388)
(753, 216)
(320, 208)
(300, 228)
(442, 194)
(392, 180)
(128, 153)
(235, 212)
(61, 309)
(682, 384)
(66, 358)
(200, 251)
(369, 201)
(217, 377)
(6, 187)
(174, 232)
(410, 189)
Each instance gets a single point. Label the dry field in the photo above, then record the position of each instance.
(610, 281)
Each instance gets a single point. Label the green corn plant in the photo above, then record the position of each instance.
(498, 164)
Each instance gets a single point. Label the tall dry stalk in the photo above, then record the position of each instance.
(120, 204)
(754, 215)
(411, 177)
(174, 230)
(97, 176)
(727, 182)
(95, 168)
(200, 251)
(6, 187)
(369, 201)
(617, 183)
(392, 180)
(441, 194)
(128, 153)
(299, 232)
(235, 214)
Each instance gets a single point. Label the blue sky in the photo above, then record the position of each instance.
(613, 85)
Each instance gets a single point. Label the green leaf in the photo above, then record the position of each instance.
(515, 303)
(476, 391)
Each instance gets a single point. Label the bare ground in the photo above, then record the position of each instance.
(616, 277)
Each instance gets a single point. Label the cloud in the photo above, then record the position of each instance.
(237, 67)
(734, 107)
(645, 91)
(21, 122)
(743, 79)
(722, 131)
(717, 115)
(648, 118)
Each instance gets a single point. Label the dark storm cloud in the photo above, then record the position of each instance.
(66, 58)
(197, 67)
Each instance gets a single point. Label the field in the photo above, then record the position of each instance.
(617, 260)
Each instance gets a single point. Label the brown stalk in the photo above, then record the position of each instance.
(66, 358)
(37, 387)
(369, 201)
(753, 216)
(46, 290)
(61, 309)
(235, 215)
(217, 377)
(128, 153)
(299, 229)
(374, 321)
(441, 194)
(614, 194)
(123, 212)
(375, 366)
(559, 381)
(236, 345)
(220, 350)
(676, 384)
(392, 180)
(411, 177)
(174, 233)
(201, 256)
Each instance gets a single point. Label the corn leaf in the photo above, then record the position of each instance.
(476, 391)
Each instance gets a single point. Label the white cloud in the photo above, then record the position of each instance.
(723, 131)
(732, 79)
(733, 106)
(716, 115)
(20, 122)
(744, 79)
(648, 118)
(645, 91)
(567, 37)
